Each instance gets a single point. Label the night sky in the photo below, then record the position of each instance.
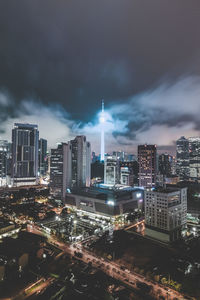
(58, 59)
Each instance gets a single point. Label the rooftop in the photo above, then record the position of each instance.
(104, 192)
(166, 190)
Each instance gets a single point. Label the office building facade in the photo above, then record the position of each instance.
(81, 162)
(60, 170)
(165, 213)
(4, 161)
(24, 154)
(106, 201)
(70, 166)
(194, 158)
(124, 176)
(111, 170)
(182, 158)
(165, 164)
(147, 160)
(42, 157)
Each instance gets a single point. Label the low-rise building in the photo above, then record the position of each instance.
(7, 228)
(106, 200)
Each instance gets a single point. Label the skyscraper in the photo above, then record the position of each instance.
(147, 159)
(133, 171)
(111, 170)
(102, 121)
(60, 170)
(81, 161)
(124, 176)
(24, 154)
(182, 158)
(194, 158)
(42, 157)
(165, 164)
(4, 156)
(70, 166)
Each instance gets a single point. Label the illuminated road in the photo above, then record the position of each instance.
(34, 288)
(112, 269)
(135, 225)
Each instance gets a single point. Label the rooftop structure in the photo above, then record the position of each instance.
(106, 200)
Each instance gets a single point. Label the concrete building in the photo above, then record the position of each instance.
(133, 169)
(60, 170)
(147, 160)
(124, 176)
(42, 157)
(165, 162)
(24, 154)
(70, 166)
(4, 161)
(111, 170)
(194, 158)
(182, 158)
(105, 200)
(81, 161)
(165, 213)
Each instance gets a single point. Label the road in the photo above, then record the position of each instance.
(110, 268)
(34, 288)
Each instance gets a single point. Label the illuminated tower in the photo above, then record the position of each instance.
(102, 121)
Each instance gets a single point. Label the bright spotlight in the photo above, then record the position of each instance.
(102, 119)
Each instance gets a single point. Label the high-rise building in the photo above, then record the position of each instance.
(124, 176)
(130, 157)
(173, 165)
(165, 213)
(60, 170)
(165, 164)
(70, 166)
(42, 157)
(182, 158)
(147, 159)
(4, 156)
(123, 156)
(24, 154)
(111, 170)
(194, 158)
(81, 161)
(133, 171)
(120, 155)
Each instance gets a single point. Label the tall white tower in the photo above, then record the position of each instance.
(102, 121)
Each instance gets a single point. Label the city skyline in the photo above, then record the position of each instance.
(99, 150)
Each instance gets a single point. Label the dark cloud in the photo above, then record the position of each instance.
(74, 53)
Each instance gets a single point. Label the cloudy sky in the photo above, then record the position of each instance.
(58, 59)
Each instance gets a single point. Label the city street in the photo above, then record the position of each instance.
(112, 269)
